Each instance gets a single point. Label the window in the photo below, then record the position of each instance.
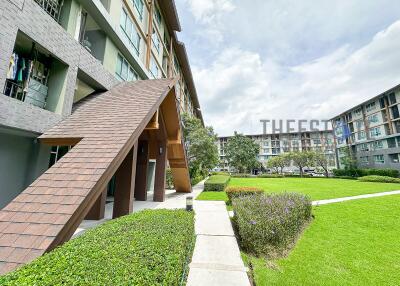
(57, 152)
(395, 112)
(361, 135)
(363, 147)
(392, 98)
(374, 132)
(130, 32)
(394, 158)
(357, 112)
(124, 71)
(157, 15)
(266, 143)
(317, 141)
(377, 144)
(370, 106)
(359, 124)
(156, 40)
(139, 7)
(373, 118)
(379, 159)
(155, 71)
(364, 160)
(265, 150)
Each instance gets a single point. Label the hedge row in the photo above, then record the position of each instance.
(365, 172)
(269, 224)
(216, 183)
(238, 192)
(151, 247)
(379, 179)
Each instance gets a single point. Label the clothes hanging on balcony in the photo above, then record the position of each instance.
(12, 67)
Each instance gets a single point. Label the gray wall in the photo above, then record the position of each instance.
(21, 161)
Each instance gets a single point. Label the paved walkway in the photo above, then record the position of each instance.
(216, 260)
(337, 200)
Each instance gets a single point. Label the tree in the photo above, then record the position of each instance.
(202, 152)
(348, 160)
(299, 159)
(322, 161)
(279, 162)
(241, 152)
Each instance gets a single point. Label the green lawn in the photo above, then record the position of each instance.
(348, 243)
(316, 188)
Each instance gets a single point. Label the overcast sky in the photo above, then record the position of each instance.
(288, 59)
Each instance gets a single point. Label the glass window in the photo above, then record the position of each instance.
(374, 132)
(139, 7)
(154, 68)
(370, 106)
(156, 40)
(364, 159)
(379, 159)
(392, 98)
(129, 30)
(157, 15)
(124, 71)
(373, 118)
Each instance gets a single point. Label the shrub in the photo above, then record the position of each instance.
(150, 247)
(271, 176)
(220, 173)
(241, 175)
(269, 224)
(216, 183)
(379, 179)
(236, 192)
(365, 172)
(169, 179)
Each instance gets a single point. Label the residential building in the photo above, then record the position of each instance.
(370, 132)
(54, 53)
(271, 145)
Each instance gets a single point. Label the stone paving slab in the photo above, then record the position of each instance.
(212, 277)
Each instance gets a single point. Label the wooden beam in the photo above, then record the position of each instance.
(141, 170)
(57, 141)
(97, 210)
(153, 124)
(149, 33)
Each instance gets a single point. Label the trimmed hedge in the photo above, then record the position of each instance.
(365, 172)
(220, 173)
(271, 176)
(239, 175)
(269, 224)
(236, 192)
(379, 179)
(216, 183)
(151, 247)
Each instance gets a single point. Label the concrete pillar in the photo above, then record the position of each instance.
(97, 210)
(160, 175)
(141, 170)
(125, 185)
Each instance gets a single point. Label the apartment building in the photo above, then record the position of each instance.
(54, 53)
(271, 145)
(370, 132)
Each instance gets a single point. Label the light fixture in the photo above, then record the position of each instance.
(189, 203)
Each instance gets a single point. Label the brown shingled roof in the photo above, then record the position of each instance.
(103, 130)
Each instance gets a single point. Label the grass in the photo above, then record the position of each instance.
(151, 247)
(316, 188)
(348, 243)
(212, 196)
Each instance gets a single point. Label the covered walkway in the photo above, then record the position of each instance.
(113, 134)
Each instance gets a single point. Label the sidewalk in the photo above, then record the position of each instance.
(216, 259)
(338, 200)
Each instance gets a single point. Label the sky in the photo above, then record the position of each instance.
(258, 60)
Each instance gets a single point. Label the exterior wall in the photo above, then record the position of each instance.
(17, 169)
(274, 144)
(371, 131)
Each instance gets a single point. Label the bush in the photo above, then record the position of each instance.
(365, 172)
(216, 183)
(169, 179)
(379, 179)
(269, 224)
(240, 175)
(151, 247)
(271, 176)
(220, 173)
(236, 192)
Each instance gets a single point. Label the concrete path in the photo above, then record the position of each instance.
(216, 259)
(337, 200)
(173, 200)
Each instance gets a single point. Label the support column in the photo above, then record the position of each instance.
(97, 210)
(141, 170)
(159, 181)
(125, 185)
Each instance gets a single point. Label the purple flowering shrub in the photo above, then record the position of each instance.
(269, 224)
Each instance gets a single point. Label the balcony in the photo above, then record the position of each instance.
(52, 7)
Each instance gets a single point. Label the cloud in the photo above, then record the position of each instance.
(240, 87)
(210, 11)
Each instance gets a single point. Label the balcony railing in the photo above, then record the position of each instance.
(52, 7)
